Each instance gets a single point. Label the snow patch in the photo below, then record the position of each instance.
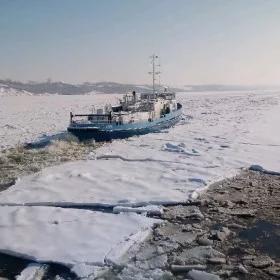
(198, 181)
(179, 148)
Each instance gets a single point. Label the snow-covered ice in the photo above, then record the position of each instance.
(219, 134)
(97, 182)
(225, 132)
(70, 236)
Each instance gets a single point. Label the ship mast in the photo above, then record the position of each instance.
(154, 73)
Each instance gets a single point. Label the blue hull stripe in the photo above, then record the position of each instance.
(113, 131)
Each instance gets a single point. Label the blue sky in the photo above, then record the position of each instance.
(199, 41)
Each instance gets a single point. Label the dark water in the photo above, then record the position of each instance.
(5, 186)
(265, 235)
(11, 266)
(62, 271)
(97, 208)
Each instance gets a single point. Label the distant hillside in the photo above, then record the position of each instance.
(227, 88)
(69, 89)
(9, 87)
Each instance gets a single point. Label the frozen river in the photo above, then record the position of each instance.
(219, 134)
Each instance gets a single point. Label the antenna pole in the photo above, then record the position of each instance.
(154, 73)
(154, 77)
(159, 72)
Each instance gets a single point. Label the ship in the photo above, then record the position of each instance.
(136, 114)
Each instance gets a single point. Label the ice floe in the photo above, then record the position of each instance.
(100, 182)
(33, 271)
(79, 239)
